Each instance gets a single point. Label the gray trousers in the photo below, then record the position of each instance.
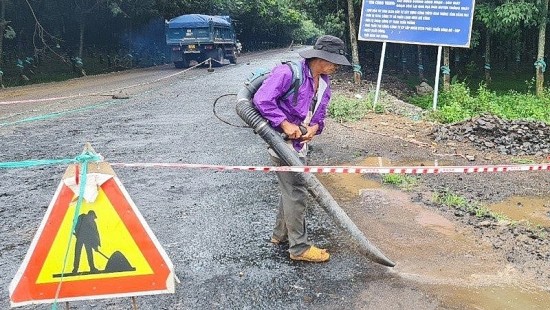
(290, 222)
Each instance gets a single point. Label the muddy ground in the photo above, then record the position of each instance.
(215, 225)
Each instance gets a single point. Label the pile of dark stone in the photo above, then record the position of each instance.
(489, 132)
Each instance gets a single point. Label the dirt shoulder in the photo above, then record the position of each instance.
(434, 243)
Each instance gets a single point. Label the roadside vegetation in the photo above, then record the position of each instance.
(53, 40)
(460, 103)
(403, 181)
(457, 202)
(457, 104)
(345, 108)
(46, 40)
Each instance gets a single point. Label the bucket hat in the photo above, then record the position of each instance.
(329, 48)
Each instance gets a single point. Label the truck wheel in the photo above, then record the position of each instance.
(182, 64)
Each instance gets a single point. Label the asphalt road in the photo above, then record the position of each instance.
(214, 226)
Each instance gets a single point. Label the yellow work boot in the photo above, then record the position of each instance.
(313, 254)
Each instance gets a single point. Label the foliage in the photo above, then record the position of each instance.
(9, 33)
(522, 161)
(334, 24)
(345, 109)
(459, 104)
(52, 29)
(449, 199)
(538, 231)
(400, 180)
(307, 32)
(455, 201)
(506, 16)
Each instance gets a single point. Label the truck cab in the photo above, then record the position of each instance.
(197, 37)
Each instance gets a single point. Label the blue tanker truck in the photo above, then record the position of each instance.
(197, 37)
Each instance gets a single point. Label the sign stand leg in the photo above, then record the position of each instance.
(379, 79)
(436, 83)
(67, 306)
(134, 303)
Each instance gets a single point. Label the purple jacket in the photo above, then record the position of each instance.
(270, 102)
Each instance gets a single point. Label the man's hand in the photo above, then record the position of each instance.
(311, 131)
(292, 131)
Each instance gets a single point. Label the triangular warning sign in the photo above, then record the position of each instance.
(106, 250)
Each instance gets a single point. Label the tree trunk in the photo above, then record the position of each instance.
(517, 63)
(540, 55)
(403, 61)
(354, 48)
(81, 37)
(447, 64)
(3, 24)
(488, 58)
(420, 64)
(456, 64)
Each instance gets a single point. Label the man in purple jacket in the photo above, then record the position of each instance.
(286, 114)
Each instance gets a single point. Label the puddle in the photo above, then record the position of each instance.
(536, 210)
(441, 257)
(375, 162)
(347, 186)
(352, 184)
(406, 162)
(495, 297)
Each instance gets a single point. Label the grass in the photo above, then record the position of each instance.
(455, 201)
(522, 161)
(347, 108)
(539, 231)
(510, 95)
(403, 181)
(460, 103)
(502, 80)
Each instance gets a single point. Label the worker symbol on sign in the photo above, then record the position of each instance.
(87, 236)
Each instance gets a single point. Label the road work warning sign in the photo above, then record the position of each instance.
(106, 250)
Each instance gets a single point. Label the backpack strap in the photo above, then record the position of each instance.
(296, 81)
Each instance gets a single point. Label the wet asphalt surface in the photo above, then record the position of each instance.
(215, 226)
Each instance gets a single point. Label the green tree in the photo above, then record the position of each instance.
(539, 64)
(307, 32)
(3, 26)
(353, 40)
(134, 12)
(501, 19)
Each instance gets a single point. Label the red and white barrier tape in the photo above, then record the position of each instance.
(350, 169)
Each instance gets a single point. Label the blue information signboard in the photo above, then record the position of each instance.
(426, 22)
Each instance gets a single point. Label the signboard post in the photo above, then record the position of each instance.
(425, 22)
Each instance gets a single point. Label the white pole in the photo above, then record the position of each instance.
(436, 84)
(379, 80)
